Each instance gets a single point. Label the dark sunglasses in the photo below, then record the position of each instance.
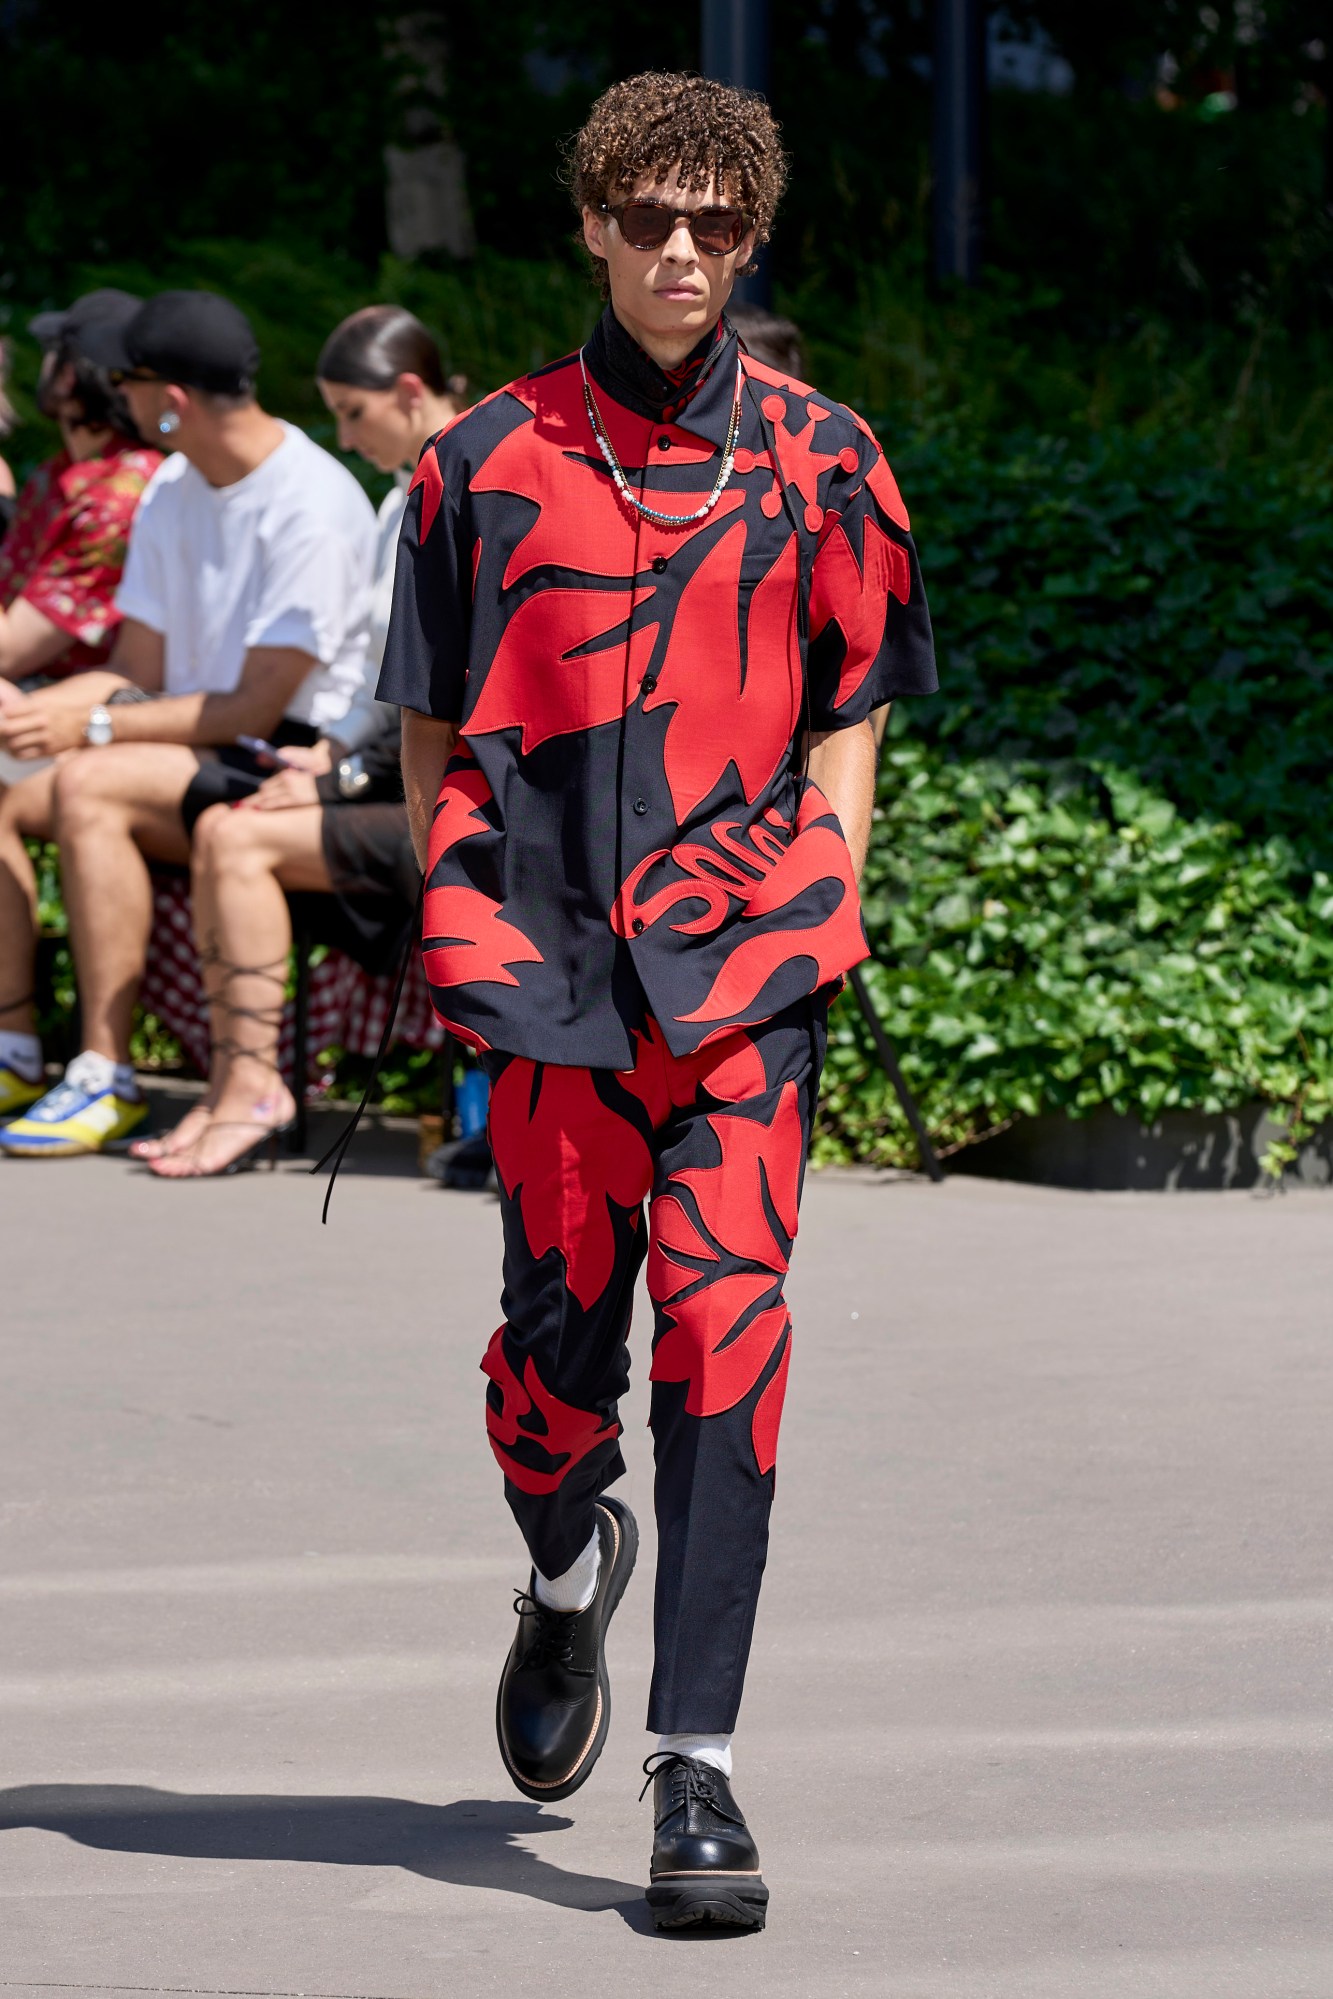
(647, 225)
(119, 376)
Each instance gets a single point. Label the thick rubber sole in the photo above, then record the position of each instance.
(626, 1555)
(708, 1901)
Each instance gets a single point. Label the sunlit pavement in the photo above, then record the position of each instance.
(1040, 1703)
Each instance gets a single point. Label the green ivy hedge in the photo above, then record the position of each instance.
(1130, 600)
(1058, 937)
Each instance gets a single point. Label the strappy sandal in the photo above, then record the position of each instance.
(268, 1134)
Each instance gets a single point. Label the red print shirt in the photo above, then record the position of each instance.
(66, 544)
(624, 830)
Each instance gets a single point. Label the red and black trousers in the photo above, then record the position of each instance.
(714, 1143)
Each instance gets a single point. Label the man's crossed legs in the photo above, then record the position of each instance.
(715, 1143)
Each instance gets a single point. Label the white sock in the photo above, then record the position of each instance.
(22, 1053)
(94, 1073)
(576, 1588)
(713, 1749)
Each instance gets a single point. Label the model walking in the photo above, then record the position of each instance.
(648, 600)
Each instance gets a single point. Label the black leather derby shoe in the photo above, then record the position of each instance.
(554, 1704)
(705, 1868)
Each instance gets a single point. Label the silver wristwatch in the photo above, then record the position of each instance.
(353, 777)
(97, 729)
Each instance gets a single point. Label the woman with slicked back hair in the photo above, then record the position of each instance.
(382, 379)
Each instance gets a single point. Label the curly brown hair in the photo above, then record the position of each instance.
(648, 124)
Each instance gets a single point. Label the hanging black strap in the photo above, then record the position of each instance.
(337, 1152)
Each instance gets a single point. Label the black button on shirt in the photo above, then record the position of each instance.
(664, 444)
(659, 565)
(640, 806)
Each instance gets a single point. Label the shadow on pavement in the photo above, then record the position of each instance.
(472, 1843)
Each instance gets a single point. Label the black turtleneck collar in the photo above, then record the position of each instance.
(635, 379)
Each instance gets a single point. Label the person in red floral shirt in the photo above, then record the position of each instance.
(61, 560)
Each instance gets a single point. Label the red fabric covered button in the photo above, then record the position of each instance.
(848, 459)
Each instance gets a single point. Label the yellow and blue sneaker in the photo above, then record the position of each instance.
(81, 1114)
(16, 1092)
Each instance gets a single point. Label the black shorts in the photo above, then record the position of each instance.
(376, 881)
(232, 773)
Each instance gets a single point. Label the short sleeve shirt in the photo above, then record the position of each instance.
(282, 557)
(66, 546)
(626, 830)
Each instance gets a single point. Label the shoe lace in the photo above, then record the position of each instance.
(692, 1782)
(553, 1641)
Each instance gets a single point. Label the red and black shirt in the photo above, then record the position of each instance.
(625, 830)
(65, 549)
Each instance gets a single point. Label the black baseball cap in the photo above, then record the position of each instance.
(195, 339)
(108, 307)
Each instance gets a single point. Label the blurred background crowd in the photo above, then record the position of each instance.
(1101, 871)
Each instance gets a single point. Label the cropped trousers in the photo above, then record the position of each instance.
(714, 1144)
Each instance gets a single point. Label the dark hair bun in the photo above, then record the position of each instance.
(373, 347)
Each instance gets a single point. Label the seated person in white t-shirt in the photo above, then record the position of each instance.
(246, 611)
(341, 836)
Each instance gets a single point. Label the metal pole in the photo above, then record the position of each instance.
(958, 137)
(884, 1049)
(734, 48)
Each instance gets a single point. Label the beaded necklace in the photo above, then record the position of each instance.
(622, 484)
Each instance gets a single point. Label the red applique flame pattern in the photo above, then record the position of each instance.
(855, 598)
(429, 480)
(724, 714)
(551, 676)
(567, 1434)
(633, 690)
(567, 1157)
(715, 1339)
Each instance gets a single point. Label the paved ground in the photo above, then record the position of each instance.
(1040, 1703)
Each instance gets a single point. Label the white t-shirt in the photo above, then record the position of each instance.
(284, 557)
(388, 521)
(367, 716)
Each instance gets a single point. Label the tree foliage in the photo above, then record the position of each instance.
(122, 136)
(193, 123)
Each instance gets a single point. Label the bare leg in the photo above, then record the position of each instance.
(24, 809)
(116, 808)
(185, 1134)
(244, 859)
